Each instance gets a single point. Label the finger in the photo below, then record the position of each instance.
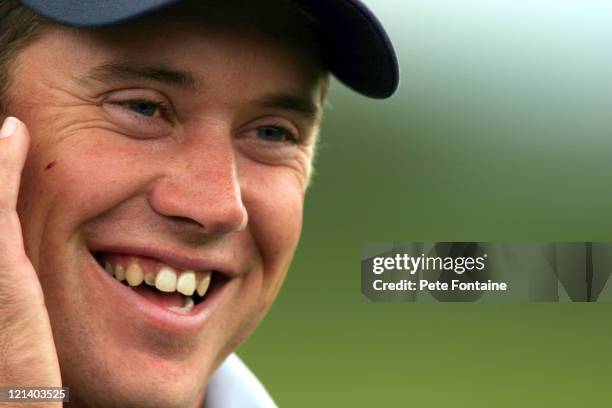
(14, 144)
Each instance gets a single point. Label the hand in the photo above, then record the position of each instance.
(27, 353)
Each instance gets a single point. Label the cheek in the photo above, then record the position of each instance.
(274, 201)
(69, 182)
(274, 198)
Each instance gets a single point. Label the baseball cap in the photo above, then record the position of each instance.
(356, 48)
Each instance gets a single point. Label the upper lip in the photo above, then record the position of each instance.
(181, 260)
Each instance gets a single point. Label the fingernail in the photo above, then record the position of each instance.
(9, 127)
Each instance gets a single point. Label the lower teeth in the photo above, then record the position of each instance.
(187, 307)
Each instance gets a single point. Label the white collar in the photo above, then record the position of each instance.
(234, 386)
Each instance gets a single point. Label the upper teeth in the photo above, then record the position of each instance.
(120, 273)
(134, 274)
(166, 279)
(186, 283)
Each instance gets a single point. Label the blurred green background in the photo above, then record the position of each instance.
(501, 130)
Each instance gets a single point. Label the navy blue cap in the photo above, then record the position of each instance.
(356, 48)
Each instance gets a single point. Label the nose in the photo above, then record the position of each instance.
(200, 184)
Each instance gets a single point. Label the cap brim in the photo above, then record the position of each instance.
(356, 48)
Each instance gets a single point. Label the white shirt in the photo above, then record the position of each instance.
(234, 386)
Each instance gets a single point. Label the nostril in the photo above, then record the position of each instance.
(185, 220)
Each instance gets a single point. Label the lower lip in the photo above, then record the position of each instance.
(156, 316)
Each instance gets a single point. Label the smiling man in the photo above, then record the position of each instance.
(151, 189)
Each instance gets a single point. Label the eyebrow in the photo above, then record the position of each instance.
(131, 70)
(294, 103)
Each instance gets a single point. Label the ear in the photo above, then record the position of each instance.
(324, 87)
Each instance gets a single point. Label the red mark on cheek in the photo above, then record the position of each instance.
(50, 165)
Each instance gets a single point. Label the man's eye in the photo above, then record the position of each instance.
(144, 108)
(275, 134)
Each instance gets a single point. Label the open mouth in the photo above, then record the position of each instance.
(180, 291)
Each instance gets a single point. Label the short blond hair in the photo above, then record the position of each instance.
(19, 26)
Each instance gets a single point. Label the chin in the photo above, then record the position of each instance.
(130, 387)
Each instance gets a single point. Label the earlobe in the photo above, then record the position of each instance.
(324, 88)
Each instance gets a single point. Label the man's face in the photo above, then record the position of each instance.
(160, 145)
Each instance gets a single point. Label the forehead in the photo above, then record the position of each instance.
(233, 51)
